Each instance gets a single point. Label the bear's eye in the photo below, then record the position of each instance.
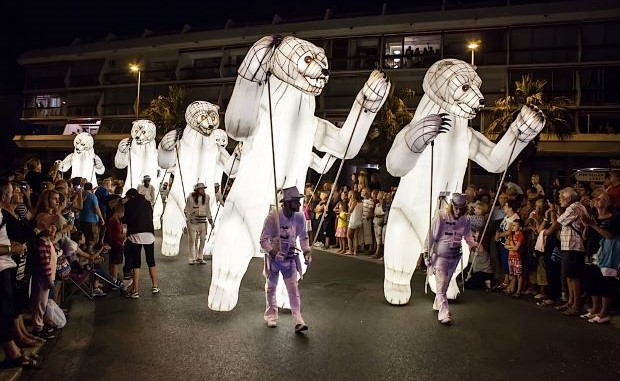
(465, 87)
(307, 59)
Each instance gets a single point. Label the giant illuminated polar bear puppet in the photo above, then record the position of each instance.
(451, 97)
(277, 84)
(195, 157)
(139, 155)
(84, 163)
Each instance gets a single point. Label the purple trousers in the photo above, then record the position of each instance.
(444, 269)
(288, 268)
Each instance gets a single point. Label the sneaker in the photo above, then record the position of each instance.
(155, 290)
(191, 263)
(539, 296)
(271, 323)
(202, 262)
(44, 334)
(599, 320)
(299, 328)
(319, 244)
(446, 321)
(99, 292)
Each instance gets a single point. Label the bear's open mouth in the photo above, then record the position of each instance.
(469, 111)
(316, 82)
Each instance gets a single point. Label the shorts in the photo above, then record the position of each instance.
(573, 263)
(90, 230)
(116, 255)
(515, 267)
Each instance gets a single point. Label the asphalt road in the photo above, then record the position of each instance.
(354, 334)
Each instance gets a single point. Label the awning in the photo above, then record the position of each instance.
(65, 142)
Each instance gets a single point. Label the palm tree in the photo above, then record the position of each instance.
(559, 119)
(168, 112)
(392, 117)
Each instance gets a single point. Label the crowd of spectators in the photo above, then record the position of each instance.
(55, 231)
(560, 245)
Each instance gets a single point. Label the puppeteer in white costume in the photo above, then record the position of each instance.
(84, 163)
(274, 95)
(195, 157)
(282, 229)
(448, 229)
(139, 155)
(451, 97)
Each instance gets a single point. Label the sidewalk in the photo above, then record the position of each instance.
(367, 257)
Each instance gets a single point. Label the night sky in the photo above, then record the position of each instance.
(41, 24)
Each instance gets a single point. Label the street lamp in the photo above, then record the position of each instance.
(473, 45)
(135, 68)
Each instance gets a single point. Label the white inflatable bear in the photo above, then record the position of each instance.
(277, 84)
(139, 155)
(84, 163)
(195, 157)
(451, 97)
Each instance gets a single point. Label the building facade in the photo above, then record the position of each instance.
(574, 46)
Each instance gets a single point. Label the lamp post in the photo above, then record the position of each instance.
(473, 45)
(135, 68)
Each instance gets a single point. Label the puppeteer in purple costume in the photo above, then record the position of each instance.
(279, 240)
(449, 228)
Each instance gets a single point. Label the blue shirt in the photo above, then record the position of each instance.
(101, 193)
(88, 213)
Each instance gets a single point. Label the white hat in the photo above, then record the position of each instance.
(216, 185)
(290, 194)
(146, 177)
(458, 200)
(199, 185)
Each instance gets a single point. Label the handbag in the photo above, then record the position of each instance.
(63, 268)
(54, 316)
(556, 255)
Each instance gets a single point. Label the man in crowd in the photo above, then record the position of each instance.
(140, 234)
(147, 190)
(91, 217)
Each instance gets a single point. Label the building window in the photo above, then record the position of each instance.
(601, 41)
(411, 51)
(354, 53)
(598, 85)
(543, 44)
(559, 82)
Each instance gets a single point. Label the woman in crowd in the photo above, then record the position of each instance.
(355, 221)
(604, 235)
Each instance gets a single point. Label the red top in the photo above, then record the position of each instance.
(614, 194)
(115, 232)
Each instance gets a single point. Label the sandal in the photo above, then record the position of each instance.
(516, 295)
(21, 361)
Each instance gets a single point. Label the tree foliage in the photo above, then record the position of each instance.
(168, 111)
(559, 119)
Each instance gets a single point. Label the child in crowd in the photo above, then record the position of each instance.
(44, 274)
(513, 244)
(341, 226)
(115, 238)
(306, 209)
(378, 224)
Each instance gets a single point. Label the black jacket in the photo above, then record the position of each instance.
(139, 216)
